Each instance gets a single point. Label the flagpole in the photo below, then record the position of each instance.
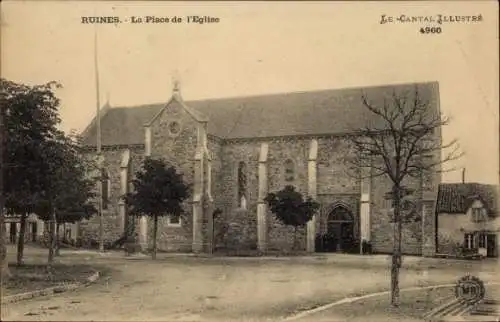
(99, 152)
(3, 230)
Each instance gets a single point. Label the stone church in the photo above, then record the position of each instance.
(233, 151)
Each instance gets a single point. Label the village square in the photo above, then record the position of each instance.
(239, 233)
(214, 178)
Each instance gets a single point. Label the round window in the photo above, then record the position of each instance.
(174, 127)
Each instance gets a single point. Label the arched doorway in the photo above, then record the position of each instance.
(340, 229)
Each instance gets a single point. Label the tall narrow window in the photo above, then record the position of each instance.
(242, 185)
(482, 240)
(289, 171)
(469, 241)
(477, 214)
(105, 189)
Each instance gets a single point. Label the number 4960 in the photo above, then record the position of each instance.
(430, 30)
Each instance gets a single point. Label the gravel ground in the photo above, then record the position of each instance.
(180, 288)
(31, 277)
(413, 305)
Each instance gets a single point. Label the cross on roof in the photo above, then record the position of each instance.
(107, 99)
(176, 83)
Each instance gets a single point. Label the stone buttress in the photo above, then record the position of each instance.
(261, 204)
(312, 184)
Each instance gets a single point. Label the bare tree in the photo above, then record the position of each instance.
(403, 140)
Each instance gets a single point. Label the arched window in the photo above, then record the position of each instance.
(289, 170)
(340, 214)
(174, 220)
(105, 191)
(242, 185)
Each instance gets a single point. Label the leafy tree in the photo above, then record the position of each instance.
(158, 191)
(404, 142)
(71, 191)
(291, 209)
(4, 269)
(31, 117)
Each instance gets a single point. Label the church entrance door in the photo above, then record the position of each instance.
(340, 229)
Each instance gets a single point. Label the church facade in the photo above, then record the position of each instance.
(233, 151)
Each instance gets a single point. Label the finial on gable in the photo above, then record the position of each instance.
(107, 104)
(176, 85)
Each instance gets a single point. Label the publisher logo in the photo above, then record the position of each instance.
(470, 288)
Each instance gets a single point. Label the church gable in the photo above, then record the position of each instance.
(174, 136)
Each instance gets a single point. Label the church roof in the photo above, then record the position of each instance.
(336, 111)
(456, 198)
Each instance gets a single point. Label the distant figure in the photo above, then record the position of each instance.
(13, 232)
(243, 202)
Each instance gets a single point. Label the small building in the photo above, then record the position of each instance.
(468, 219)
(34, 228)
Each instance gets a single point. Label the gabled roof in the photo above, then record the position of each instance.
(456, 198)
(319, 112)
(122, 125)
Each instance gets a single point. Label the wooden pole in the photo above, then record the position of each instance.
(4, 268)
(98, 146)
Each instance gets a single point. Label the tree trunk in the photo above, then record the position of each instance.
(212, 245)
(155, 228)
(52, 239)
(20, 240)
(5, 271)
(58, 242)
(295, 246)
(396, 255)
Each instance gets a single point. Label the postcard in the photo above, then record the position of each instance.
(250, 161)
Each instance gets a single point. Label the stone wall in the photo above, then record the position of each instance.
(171, 238)
(112, 222)
(227, 189)
(178, 149)
(239, 226)
(336, 184)
(217, 181)
(334, 176)
(297, 150)
(382, 228)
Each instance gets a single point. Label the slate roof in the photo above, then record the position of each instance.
(456, 198)
(319, 112)
(122, 125)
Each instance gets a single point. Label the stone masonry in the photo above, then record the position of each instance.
(232, 175)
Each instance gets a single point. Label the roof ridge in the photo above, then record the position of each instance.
(466, 183)
(323, 90)
(314, 91)
(123, 107)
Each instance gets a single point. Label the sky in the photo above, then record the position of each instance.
(260, 48)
